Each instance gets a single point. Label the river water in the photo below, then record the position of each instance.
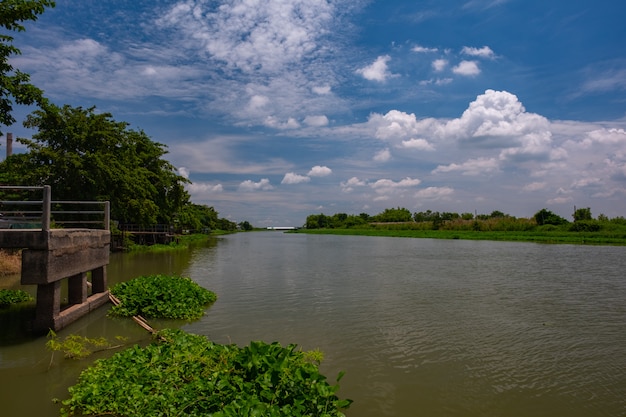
(421, 327)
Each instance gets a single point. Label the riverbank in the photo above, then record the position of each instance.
(539, 236)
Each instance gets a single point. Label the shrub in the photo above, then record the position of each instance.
(162, 296)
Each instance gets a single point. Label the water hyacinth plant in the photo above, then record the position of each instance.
(162, 296)
(186, 374)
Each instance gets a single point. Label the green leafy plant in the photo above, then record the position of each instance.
(8, 297)
(162, 296)
(77, 347)
(182, 374)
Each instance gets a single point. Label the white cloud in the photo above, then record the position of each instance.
(316, 121)
(201, 188)
(292, 178)
(322, 90)
(476, 166)
(383, 155)
(349, 185)
(419, 144)
(497, 119)
(273, 122)
(467, 69)
(250, 37)
(535, 186)
(386, 186)
(320, 171)
(378, 71)
(434, 193)
(484, 52)
(249, 185)
(183, 172)
(439, 64)
(422, 49)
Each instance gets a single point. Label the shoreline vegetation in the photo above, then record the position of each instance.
(543, 227)
(537, 236)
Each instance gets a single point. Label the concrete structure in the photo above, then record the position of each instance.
(51, 255)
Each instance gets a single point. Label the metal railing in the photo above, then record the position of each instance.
(25, 213)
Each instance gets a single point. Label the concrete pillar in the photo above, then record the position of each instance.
(48, 305)
(99, 280)
(77, 288)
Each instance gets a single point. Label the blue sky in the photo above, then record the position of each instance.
(277, 109)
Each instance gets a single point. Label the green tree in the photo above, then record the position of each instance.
(582, 214)
(88, 156)
(245, 225)
(545, 216)
(394, 215)
(15, 86)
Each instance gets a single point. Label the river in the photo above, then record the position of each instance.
(421, 327)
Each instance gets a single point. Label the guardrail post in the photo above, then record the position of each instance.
(45, 215)
(107, 215)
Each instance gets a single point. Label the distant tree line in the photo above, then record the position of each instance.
(496, 220)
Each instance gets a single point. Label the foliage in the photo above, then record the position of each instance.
(8, 297)
(15, 86)
(545, 216)
(162, 296)
(582, 214)
(186, 374)
(196, 217)
(245, 226)
(393, 215)
(75, 346)
(84, 155)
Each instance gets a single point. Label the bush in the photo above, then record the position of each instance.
(186, 374)
(162, 296)
(585, 226)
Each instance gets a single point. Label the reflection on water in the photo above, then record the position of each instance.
(422, 327)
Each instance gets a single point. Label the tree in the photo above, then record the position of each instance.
(545, 216)
(88, 156)
(582, 214)
(245, 225)
(15, 86)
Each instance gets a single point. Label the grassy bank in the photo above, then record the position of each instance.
(540, 236)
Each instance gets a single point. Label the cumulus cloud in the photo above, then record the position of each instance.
(422, 49)
(476, 166)
(439, 64)
(316, 121)
(199, 188)
(467, 69)
(353, 182)
(249, 185)
(434, 193)
(291, 178)
(273, 122)
(378, 71)
(419, 144)
(320, 171)
(383, 155)
(386, 186)
(497, 119)
(322, 90)
(484, 52)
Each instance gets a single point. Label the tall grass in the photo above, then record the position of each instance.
(10, 262)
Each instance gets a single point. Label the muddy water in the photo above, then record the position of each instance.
(421, 327)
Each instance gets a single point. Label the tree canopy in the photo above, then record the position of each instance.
(15, 86)
(84, 155)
